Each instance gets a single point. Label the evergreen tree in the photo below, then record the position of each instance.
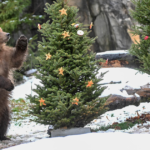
(12, 14)
(142, 49)
(13, 17)
(69, 95)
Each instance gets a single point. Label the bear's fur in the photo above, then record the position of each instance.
(10, 58)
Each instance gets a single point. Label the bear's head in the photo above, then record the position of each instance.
(4, 37)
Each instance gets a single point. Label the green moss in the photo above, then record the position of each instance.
(119, 126)
(20, 110)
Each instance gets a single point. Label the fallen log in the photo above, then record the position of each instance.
(144, 94)
(117, 102)
(118, 58)
(138, 96)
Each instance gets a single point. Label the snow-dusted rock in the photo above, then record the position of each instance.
(118, 58)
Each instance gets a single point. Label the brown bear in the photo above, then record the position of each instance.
(10, 58)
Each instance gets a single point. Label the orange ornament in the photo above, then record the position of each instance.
(39, 26)
(76, 100)
(73, 24)
(48, 56)
(91, 25)
(42, 102)
(66, 34)
(61, 71)
(63, 11)
(89, 83)
(106, 63)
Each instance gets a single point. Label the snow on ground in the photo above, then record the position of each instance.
(120, 116)
(90, 141)
(22, 90)
(128, 78)
(26, 127)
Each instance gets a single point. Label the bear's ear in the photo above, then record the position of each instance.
(1, 29)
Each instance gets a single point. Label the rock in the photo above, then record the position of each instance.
(130, 90)
(111, 20)
(118, 102)
(143, 92)
(145, 86)
(118, 58)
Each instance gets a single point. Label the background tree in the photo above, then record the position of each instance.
(69, 95)
(13, 15)
(13, 18)
(142, 49)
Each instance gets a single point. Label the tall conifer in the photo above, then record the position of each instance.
(141, 49)
(13, 15)
(69, 95)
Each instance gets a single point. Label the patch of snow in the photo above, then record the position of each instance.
(128, 77)
(114, 52)
(90, 141)
(5, 2)
(31, 71)
(26, 127)
(137, 95)
(25, 78)
(22, 90)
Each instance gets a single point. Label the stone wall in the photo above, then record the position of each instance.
(111, 20)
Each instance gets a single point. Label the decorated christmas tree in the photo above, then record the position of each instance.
(70, 90)
(141, 48)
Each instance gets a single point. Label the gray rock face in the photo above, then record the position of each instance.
(111, 20)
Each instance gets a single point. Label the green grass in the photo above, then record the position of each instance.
(119, 126)
(19, 109)
(112, 115)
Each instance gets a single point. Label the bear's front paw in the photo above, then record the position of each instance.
(4, 138)
(22, 43)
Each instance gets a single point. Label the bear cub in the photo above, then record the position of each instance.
(10, 58)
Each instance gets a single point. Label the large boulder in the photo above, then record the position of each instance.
(118, 58)
(111, 20)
